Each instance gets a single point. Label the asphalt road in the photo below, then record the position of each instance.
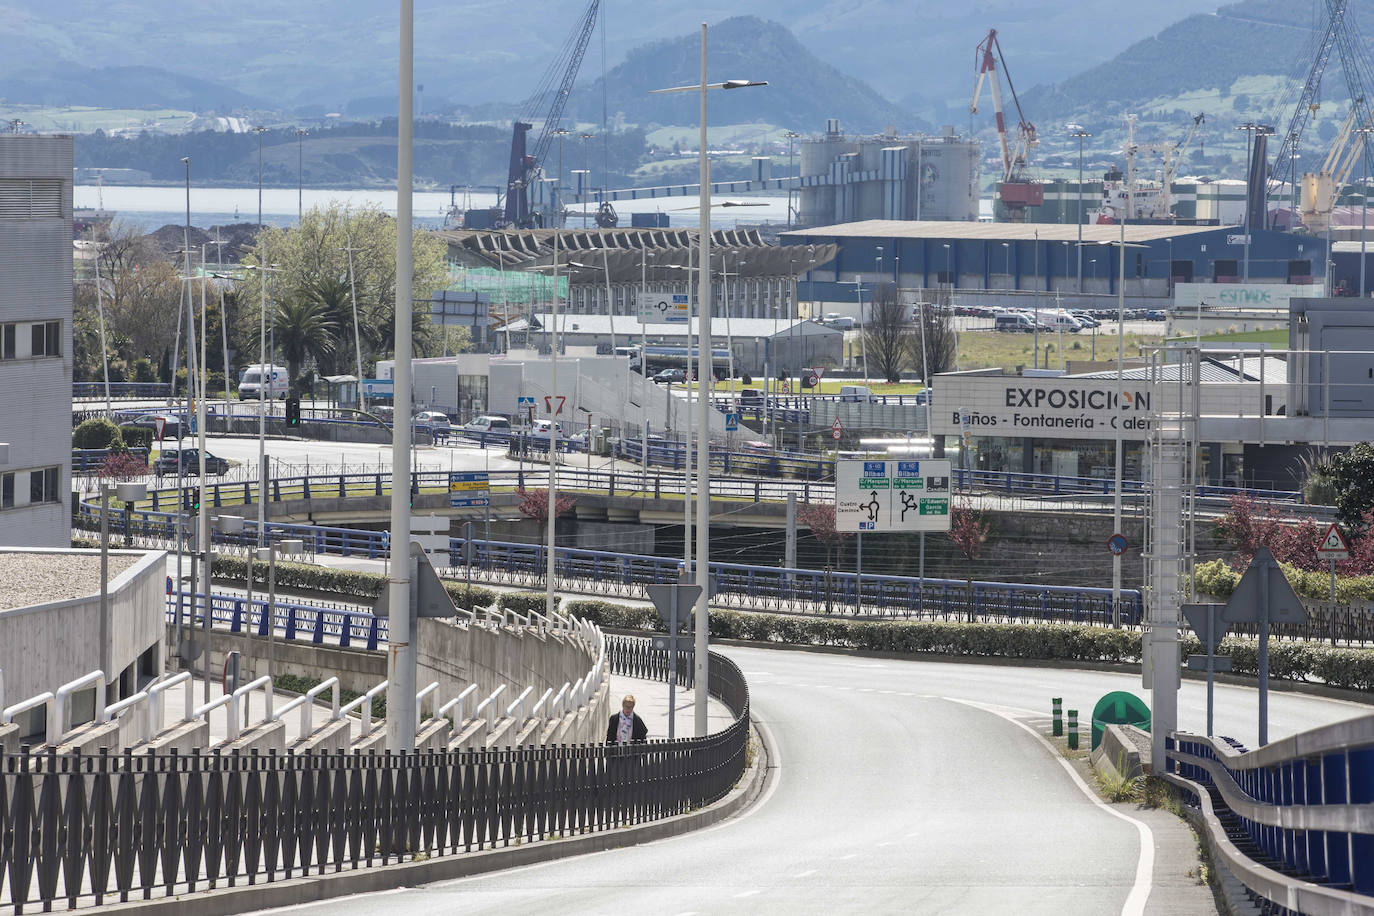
(899, 788)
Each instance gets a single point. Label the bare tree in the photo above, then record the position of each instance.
(887, 333)
(936, 320)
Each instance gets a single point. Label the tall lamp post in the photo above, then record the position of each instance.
(1250, 128)
(126, 493)
(1364, 133)
(1080, 135)
(792, 181)
(300, 174)
(703, 373)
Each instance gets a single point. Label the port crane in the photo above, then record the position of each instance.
(1017, 191)
(550, 97)
(1319, 190)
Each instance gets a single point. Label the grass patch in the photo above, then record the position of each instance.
(1115, 785)
(987, 349)
(1276, 337)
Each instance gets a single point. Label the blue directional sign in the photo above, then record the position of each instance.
(469, 489)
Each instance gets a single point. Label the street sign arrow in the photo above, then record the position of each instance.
(1245, 604)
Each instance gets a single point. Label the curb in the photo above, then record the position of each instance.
(226, 901)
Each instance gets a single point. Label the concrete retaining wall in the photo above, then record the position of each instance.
(266, 737)
(335, 736)
(357, 669)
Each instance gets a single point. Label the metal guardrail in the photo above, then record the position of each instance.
(92, 829)
(122, 390)
(1293, 820)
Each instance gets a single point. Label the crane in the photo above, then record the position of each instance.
(549, 97)
(1319, 190)
(1016, 191)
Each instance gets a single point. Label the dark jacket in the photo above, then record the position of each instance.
(638, 731)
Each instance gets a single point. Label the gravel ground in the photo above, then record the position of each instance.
(38, 578)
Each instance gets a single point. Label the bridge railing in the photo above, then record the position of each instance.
(94, 829)
(122, 390)
(1291, 820)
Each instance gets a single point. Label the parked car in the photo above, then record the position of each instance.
(670, 376)
(1154, 315)
(487, 424)
(1060, 321)
(925, 396)
(1017, 322)
(432, 419)
(838, 321)
(189, 459)
(542, 429)
(857, 394)
(171, 424)
(252, 385)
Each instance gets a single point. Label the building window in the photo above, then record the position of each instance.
(47, 338)
(43, 486)
(7, 490)
(8, 333)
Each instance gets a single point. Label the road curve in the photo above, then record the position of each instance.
(903, 786)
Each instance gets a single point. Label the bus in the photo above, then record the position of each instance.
(664, 357)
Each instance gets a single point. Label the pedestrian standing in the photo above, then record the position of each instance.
(626, 725)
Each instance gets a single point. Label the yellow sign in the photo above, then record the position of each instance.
(458, 486)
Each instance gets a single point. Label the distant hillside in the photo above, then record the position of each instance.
(1222, 53)
(802, 90)
(118, 87)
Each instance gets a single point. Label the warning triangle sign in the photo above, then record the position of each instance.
(1333, 542)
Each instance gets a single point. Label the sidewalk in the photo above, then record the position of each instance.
(651, 702)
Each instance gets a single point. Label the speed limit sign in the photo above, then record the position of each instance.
(836, 429)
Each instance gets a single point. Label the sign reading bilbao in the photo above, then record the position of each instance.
(1042, 408)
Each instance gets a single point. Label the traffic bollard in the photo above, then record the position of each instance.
(1058, 716)
(1073, 729)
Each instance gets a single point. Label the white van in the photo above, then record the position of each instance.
(251, 386)
(1060, 321)
(857, 394)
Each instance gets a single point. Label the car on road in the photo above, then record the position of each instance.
(542, 429)
(837, 321)
(189, 460)
(488, 424)
(670, 376)
(433, 420)
(925, 396)
(857, 394)
(171, 424)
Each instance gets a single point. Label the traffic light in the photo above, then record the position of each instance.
(293, 411)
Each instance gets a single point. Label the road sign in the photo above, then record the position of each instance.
(664, 643)
(836, 429)
(554, 404)
(469, 489)
(428, 596)
(159, 424)
(1219, 662)
(1334, 545)
(523, 401)
(1209, 633)
(882, 496)
(662, 307)
(1245, 604)
(431, 533)
(674, 603)
(731, 422)
(1117, 544)
(787, 386)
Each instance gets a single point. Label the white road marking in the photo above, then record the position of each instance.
(743, 894)
(805, 874)
(1145, 864)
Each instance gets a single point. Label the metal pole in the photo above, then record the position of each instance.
(1081, 135)
(400, 704)
(1211, 663)
(100, 311)
(272, 609)
(264, 370)
(357, 336)
(1264, 657)
(1364, 203)
(702, 673)
(105, 655)
(203, 530)
(553, 417)
(1120, 396)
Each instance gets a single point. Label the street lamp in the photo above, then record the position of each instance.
(586, 176)
(226, 524)
(1251, 129)
(703, 369)
(1364, 133)
(269, 556)
(127, 493)
(300, 174)
(792, 182)
(1080, 134)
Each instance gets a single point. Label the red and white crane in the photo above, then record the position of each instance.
(1017, 191)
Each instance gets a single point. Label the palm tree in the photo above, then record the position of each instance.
(305, 330)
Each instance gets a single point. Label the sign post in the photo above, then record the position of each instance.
(1264, 597)
(469, 489)
(836, 430)
(674, 604)
(655, 308)
(1333, 547)
(1210, 630)
(886, 496)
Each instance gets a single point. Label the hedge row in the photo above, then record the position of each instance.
(342, 582)
(1217, 579)
(1351, 669)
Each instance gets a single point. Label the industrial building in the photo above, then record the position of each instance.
(35, 339)
(846, 179)
(605, 269)
(1016, 264)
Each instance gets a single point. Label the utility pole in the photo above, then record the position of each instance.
(1081, 135)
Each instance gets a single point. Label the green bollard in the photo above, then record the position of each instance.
(1073, 729)
(1058, 716)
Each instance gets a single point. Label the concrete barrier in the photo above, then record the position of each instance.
(1118, 753)
(469, 735)
(183, 738)
(263, 737)
(9, 738)
(332, 736)
(90, 738)
(433, 735)
(356, 668)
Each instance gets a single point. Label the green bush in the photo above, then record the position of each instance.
(1216, 579)
(97, 432)
(136, 436)
(524, 602)
(365, 585)
(143, 371)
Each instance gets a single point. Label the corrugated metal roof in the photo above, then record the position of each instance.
(628, 326)
(1210, 370)
(1046, 232)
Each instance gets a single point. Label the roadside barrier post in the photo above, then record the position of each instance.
(1073, 729)
(1058, 716)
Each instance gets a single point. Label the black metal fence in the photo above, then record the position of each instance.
(77, 830)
